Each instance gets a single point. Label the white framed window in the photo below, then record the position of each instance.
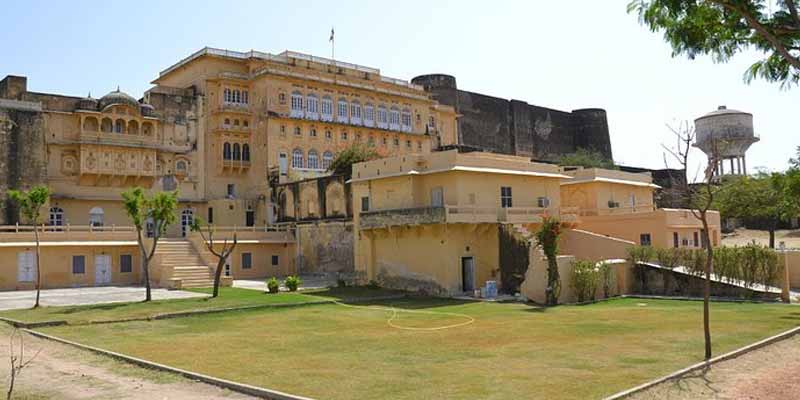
(355, 113)
(405, 121)
(297, 158)
(327, 108)
(56, 216)
(505, 197)
(341, 111)
(313, 159)
(383, 117)
(227, 97)
(369, 115)
(297, 105)
(96, 216)
(394, 119)
(327, 159)
(312, 107)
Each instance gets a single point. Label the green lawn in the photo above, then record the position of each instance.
(229, 297)
(510, 351)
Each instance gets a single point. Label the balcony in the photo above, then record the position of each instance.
(621, 210)
(521, 215)
(452, 215)
(235, 165)
(16, 235)
(117, 139)
(238, 108)
(403, 216)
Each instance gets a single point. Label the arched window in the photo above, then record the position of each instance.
(297, 105)
(369, 115)
(327, 159)
(237, 96)
(133, 127)
(227, 96)
(96, 216)
(355, 113)
(341, 111)
(180, 166)
(245, 98)
(245, 152)
(313, 159)
(237, 152)
(394, 119)
(119, 126)
(227, 122)
(90, 124)
(405, 120)
(56, 216)
(106, 125)
(297, 158)
(312, 107)
(383, 121)
(226, 151)
(327, 108)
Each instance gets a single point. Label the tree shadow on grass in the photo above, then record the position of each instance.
(684, 382)
(93, 307)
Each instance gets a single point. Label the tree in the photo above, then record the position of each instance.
(723, 28)
(159, 211)
(547, 237)
(356, 153)
(222, 255)
(765, 197)
(16, 355)
(30, 204)
(586, 158)
(700, 198)
(794, 163)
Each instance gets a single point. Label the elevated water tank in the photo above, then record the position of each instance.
(726, 134)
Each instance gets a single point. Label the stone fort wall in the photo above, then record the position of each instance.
(516, 127)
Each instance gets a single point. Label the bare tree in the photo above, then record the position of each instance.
(198, 225)
(16, 354)
(699, 197)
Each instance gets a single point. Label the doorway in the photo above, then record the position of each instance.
(102, 269)
(467, 274)
(250, 218)
(283, 163)
(187, 219)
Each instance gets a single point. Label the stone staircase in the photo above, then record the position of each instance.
(181, 262)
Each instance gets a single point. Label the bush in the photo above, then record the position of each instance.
(373, 284)
(640, 254)
(585, 277)
(607, 277)
(272, 285)
(292, 283)
(340, 282)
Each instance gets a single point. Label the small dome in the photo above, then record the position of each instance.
(87, 103)
(723, 110)
(118, 97)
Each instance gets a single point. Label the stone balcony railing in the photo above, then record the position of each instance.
(625, 209)
(66, 233)
(452, 215)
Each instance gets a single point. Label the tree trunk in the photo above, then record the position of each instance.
(552, 289)
(772, 235)
(38, 266)
(218, 276)
(707, 287)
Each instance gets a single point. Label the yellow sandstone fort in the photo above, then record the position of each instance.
(247, 137)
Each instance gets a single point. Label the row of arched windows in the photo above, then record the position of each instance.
(107, 125)
(310, 107)
(96, 216)
(312, 161)
(235, 96)
(236, 151)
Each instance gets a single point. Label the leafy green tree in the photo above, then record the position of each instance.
(547, 237)
(30, 206)
(794, 163)
(765, 197)
(723, 28)
(586, 158)
(159, 210)
(342, 164)
(206, 232)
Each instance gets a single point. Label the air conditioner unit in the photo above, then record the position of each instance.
(543, 202)
(613, 204)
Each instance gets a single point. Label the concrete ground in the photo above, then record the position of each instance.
(767, 373)
(87, 295)
(309, 282)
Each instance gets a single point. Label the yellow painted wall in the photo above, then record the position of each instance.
(56, 266)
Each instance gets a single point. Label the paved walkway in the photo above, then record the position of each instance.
(88, 295)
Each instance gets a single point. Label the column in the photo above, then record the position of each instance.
(744, 166)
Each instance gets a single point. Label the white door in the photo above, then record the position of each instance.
(187, 218)
(102, 269)
(26, 266)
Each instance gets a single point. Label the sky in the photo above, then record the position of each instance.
(562, 55)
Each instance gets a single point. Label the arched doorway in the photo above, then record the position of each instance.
(187, 218)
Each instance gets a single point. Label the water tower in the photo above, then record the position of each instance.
(728, 133)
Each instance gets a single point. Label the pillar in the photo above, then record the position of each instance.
(744, 166)
(733, 168)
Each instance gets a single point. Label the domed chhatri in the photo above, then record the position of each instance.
(118, 97)
(87, 103)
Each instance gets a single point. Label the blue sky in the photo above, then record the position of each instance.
(564, 55)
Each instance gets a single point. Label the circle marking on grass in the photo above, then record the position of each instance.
(395, 314)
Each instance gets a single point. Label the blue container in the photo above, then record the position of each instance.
(491, 289)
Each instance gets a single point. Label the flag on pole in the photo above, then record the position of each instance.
(331, 39)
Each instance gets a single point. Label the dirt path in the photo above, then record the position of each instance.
(64, 372)
(768, 373)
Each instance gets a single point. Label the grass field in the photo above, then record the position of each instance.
(510, 351)
(229, 297)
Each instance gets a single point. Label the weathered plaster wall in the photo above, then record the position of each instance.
(325, 247)
(22, 155)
